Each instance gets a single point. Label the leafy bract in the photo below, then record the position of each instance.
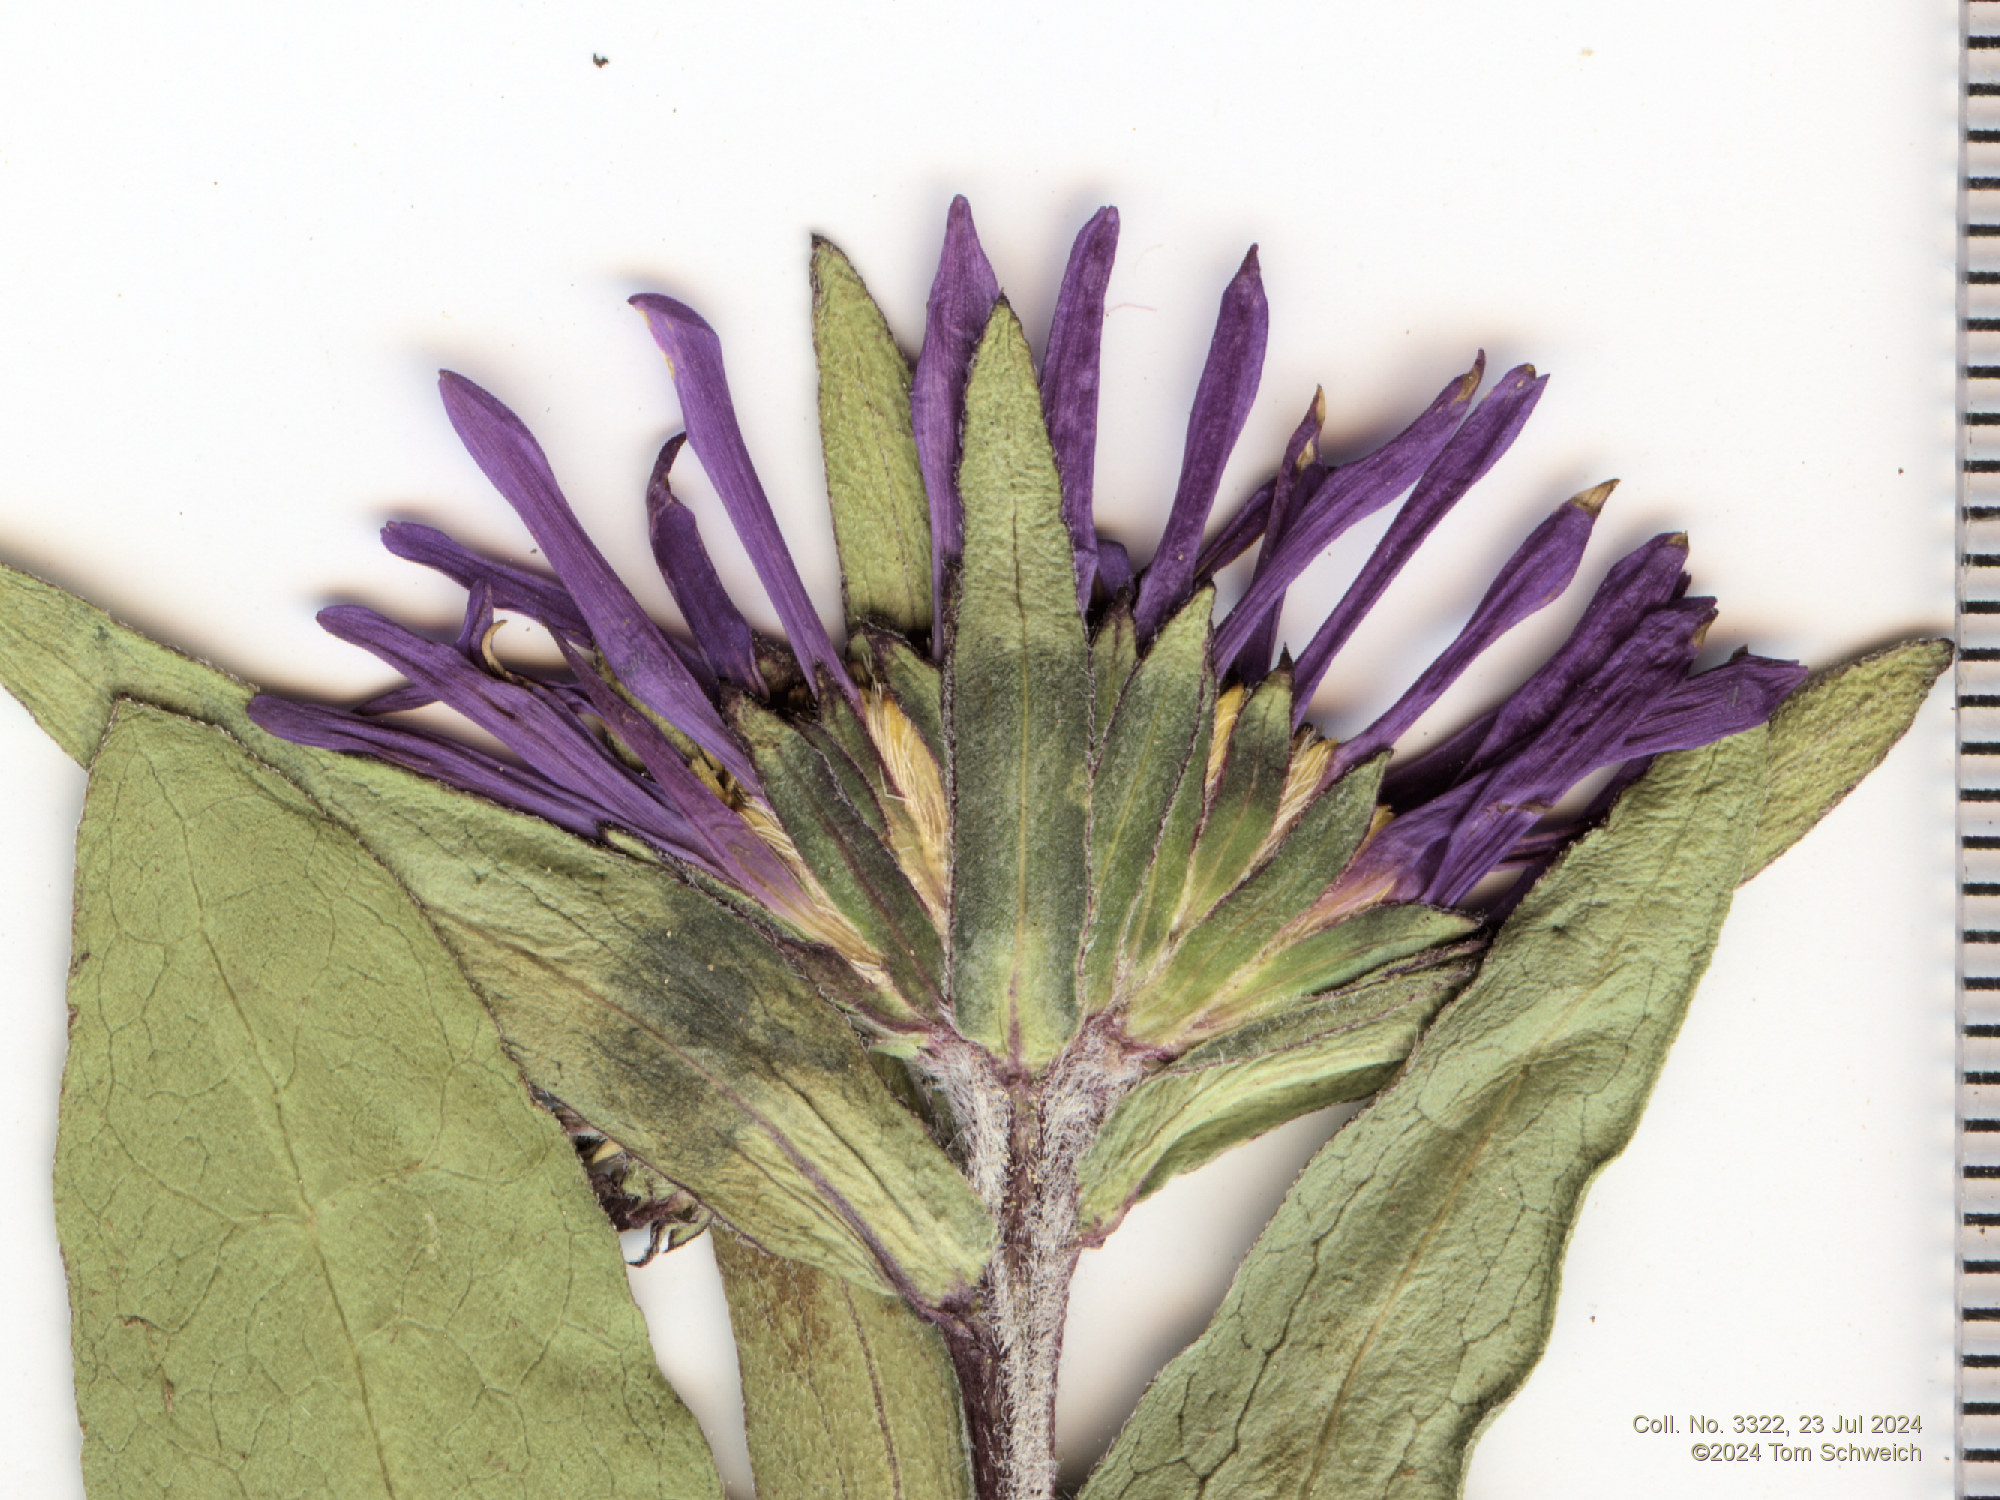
(875, 489)
(319, 1240)
(1336, 1048)
(1145, 755)
(1237, 936)
(666, 1019)
(1247, 789)
(1835, 730)
(1017, 711)
(848, 859)
(846, 1395)
(1406, 1286)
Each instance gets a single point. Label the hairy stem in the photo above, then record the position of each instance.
(1021, 1141)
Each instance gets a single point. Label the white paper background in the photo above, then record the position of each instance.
(237, 241)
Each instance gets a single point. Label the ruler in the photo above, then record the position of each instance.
(1979, 763)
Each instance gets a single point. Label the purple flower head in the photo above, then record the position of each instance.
(712, 750)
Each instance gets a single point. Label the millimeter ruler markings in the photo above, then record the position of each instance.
(1979, 762)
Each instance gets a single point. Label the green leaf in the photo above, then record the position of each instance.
(1247, 792)
(1343, 1046)
(664, 1018)
(1834, 731)
(857, 872)
(1145, 758)
(846, 1395)
(319, 1240)
(1234, 936)
(1406, 1286)
(1017, 716)
(881, 517)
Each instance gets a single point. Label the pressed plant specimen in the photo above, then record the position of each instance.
(906, 963)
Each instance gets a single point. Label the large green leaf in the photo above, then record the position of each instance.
(1253, 1079)
(319, 1240)
(1017, 712)
(881, 518)
(1834, 731)
(1406, 1286)
(846, 1395)
(664, 1018)
(1145, 757)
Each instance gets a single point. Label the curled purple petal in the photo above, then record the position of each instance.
(1345, 496)
(1461, 463)
(728, 648)
(1644, 579)
(1221, 405)
(1253, 659)
(962, 298)
(1534, 577)
(694, 360)
(1726, 700)
(516, 588)
(1439, 850)
(1583, 736)
(733, 850)
(541, 733)
(443, 760)
(630, 642)
(472, 633)
(1070, 381)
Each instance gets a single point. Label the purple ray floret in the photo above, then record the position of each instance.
(1460, 464)
(728, 648)
(472, 633)
(1344, 497)
(533, 727)
(962, 298)
(1221, 406)
(516, 588)
(429, 755)
(1070, 381)
(733, 851)
(694, 359)
(1295, 469)
(1441, 849)
(633, 646)
(1726, 700)
(1643, 580)
(1233, 538)
(1534, 577)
